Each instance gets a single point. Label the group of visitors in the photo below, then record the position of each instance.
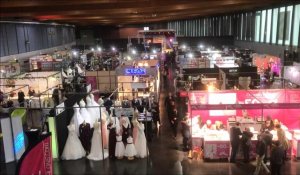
(267, 148)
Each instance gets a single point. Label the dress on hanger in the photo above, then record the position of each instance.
(141, 144)
(84, 113)
(85, 136)
(97, 153)
(135, 129)
(91, 109)
(73, 149)
(130, 150)
(94, 103)
(120, 148)
(104, 132)
(77, 119)
(112, 139)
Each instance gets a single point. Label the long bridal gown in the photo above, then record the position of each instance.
(77, 119)
(84, 113)
(96, 106)
(73, 149)
(97, 153)
(91, 109)
(141, 143)
(104, 118)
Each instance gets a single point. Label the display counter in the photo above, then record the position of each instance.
(216, 145)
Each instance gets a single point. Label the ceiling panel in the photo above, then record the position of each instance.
(116, 12)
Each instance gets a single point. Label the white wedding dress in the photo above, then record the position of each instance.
(97, 108)
(141, 143)
(91, 109)
(84, 113)
(77, 119)
(73, 149)
(120, 148)
(130, 150)
(96, 148)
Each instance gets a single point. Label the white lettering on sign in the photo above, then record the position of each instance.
(135, 71)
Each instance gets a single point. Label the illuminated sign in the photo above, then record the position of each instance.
(135, 71)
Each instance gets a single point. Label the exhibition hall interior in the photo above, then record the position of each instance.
(149, 87)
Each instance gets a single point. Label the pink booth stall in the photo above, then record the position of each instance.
(248, 107)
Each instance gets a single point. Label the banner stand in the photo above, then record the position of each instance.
(37, 159)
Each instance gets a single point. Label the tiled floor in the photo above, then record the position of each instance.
(166, 158)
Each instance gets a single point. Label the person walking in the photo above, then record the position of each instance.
(276, 158)
(267, 137)
(282, 139)
(261, 148)
(235, 133)
(246, 144)
(185, 131)
(174, 122)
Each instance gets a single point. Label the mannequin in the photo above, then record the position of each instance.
(73, 149)
(125, 129)
(120, 148)
(97, 153)
(130, 150)
(85, 135)
(141, 144)
(84, 113)
(77, 119)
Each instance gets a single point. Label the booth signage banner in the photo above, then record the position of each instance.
(135, 71)
(246, 106)
(38, 160)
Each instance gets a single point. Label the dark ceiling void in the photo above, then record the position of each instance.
(121, 12)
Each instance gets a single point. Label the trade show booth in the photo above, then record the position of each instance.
(138, 79)
(34, 84)
(248, 107)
